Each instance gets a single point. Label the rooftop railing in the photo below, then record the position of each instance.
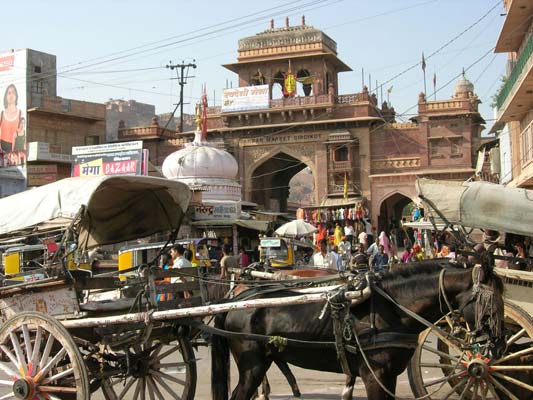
(515, 74)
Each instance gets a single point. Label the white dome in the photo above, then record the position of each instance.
(200, 160)
(463, 87)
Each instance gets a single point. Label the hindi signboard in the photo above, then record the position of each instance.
(44, 174)
(108, 159)
(227, 210)
(245, 98)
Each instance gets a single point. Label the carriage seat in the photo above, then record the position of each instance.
(111, 300)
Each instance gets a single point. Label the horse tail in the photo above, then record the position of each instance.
(219, 362)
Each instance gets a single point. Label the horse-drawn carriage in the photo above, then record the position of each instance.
(69, 333)
(459, 208)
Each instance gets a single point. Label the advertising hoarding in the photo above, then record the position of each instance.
(13, 108)
(39, 175)
(245, 98)
(108, 159)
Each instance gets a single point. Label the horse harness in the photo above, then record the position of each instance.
(344, 322)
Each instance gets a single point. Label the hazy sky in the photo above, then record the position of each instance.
(91, 40)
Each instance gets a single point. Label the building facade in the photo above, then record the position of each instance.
(131, 112)
(353, 146)
(48, 125)
(514, 101)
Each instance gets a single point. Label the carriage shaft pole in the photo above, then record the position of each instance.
(202, 311)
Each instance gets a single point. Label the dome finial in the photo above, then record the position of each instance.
(204, 114)
(198, 118)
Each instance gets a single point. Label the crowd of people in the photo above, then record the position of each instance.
(345, 248)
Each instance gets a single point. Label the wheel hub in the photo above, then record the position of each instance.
(140, 368)
(23, 389)
(477, 368)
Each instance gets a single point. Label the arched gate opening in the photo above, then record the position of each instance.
(270, 181)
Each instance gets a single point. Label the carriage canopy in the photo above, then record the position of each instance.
(110, 209)
(481, 205)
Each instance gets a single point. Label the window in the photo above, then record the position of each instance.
(341, 154)
(37, 69)
(526, 142)
(37, 86)
(434, 147)
(92, 140)
(456, 147)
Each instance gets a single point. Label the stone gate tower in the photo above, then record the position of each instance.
(315, 127)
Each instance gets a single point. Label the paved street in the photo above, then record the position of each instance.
(313, 384)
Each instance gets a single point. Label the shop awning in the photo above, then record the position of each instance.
(254, 224)
(340, 202)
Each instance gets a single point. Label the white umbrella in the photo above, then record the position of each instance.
(294, 228)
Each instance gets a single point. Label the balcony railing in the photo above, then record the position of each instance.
(521, 63)
(309, 101)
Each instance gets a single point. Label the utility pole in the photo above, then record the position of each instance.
(182, 71)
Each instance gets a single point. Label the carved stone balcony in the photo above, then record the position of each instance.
(395, 164)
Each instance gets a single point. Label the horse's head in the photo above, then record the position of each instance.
(482, 308)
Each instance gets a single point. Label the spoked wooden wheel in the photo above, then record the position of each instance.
(157, 371)
(39, 360)
(440, 369)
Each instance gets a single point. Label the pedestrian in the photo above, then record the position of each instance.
(380, 261)
(384, 241)
(177, 252)
(324, 258)
(348, 231)
(244, 260)
(374, 248)
(363, 239)
(227, 262)
(359, 260)
(338, 259)
(165, 262)
(418, 254)
(337, 234)
(407, 255)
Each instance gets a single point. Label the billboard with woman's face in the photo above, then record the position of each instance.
(13, 108)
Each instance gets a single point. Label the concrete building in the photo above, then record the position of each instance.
(132, 112)
(514, 101)
(49, 125)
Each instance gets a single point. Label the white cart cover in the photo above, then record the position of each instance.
(481, 205)
(117, 208)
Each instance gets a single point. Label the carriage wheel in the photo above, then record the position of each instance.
(163, 372)
(439, 369)
(39, 360)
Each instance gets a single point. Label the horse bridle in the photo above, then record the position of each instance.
(480, 293)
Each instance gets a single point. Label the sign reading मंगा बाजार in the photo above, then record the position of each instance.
(108, 159)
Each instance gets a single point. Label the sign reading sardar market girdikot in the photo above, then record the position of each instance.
(108, 159)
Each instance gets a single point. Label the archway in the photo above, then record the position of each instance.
(270, 181)
(302, 188)
(391, 212)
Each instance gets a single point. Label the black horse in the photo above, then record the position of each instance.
(423, 288)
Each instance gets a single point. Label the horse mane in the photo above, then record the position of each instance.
(426, 267)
